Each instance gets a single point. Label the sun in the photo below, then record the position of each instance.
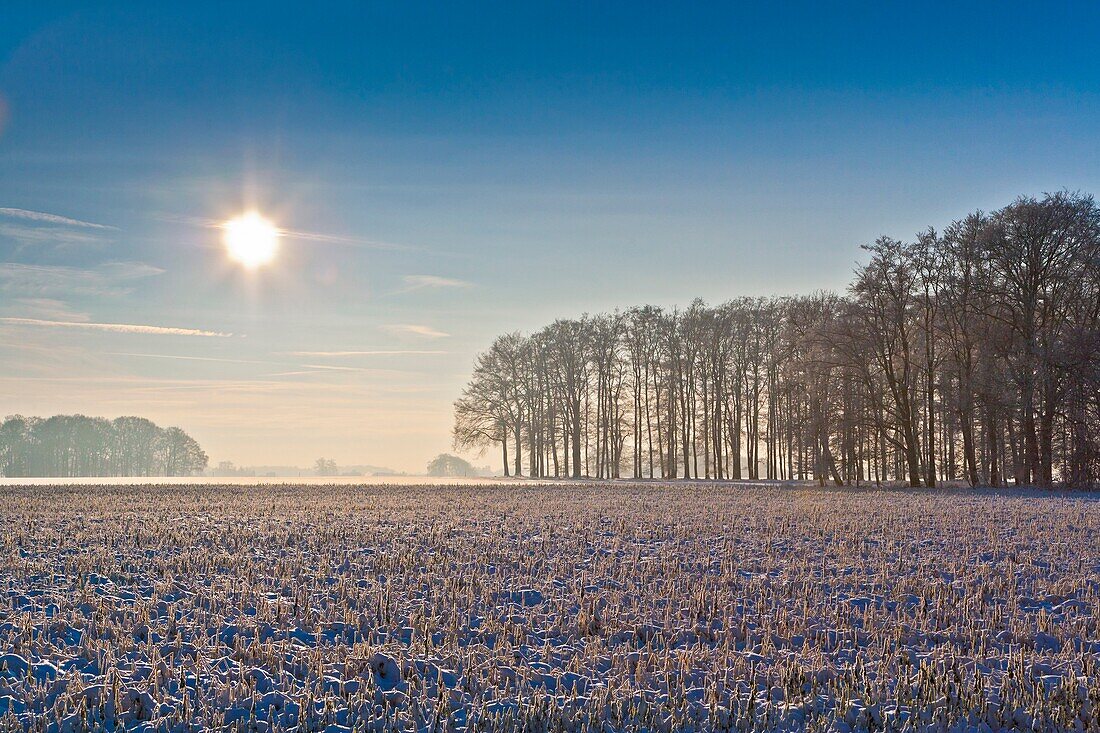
(251, 240)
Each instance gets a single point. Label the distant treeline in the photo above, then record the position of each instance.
(75, 445)
(970, 354)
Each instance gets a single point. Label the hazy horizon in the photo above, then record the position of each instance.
(441, 178)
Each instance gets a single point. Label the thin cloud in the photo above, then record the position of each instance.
(418, 282)
(116, 327)
(108, 279)
(332, 368)
(322, 367)
(39, 236)
(128, 270)
(190, 358)
(50, 309)
(315, 370)
(351, 241)
(45, 218)
(414, 329)
(389, 352)
(308, 368)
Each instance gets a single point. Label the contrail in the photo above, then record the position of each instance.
(116, 327)
(45, 218)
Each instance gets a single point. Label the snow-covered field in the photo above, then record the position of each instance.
(572, 607)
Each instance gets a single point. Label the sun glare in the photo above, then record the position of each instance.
(251, 240)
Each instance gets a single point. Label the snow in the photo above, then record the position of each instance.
(611, 606)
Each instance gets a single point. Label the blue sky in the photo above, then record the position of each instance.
(449, 172)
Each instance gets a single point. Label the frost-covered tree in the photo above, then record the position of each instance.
(967, 354)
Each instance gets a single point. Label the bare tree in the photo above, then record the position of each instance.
(963, 355)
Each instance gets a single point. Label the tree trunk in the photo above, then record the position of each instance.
(576, 439)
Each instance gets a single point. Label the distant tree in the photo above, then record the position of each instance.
(77, 445)
(17, 446)
(135, 445)
(447, 465)
(181, 455)
(325, 467)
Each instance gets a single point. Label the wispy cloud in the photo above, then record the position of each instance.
(115, 327)
(337, 372)
(414, 329)
(45, 218)
(108, 279)
(350, 241)
(51, 309)
(182, 357)
(39, 236)
(310, 369)
(368, 370)
(385, 352)
(418, 282)
(128, 270)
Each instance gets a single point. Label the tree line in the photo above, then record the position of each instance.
(76, 445)
(967, 354)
